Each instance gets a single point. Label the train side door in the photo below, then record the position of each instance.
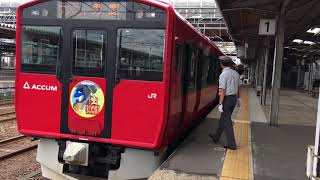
(84, 81)
(176, 94)
(189, 85)
(198, 71)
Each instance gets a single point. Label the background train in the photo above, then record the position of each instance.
(108, 86)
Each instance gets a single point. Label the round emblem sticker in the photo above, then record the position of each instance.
(87, 99)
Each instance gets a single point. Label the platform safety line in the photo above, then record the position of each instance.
(238, 164)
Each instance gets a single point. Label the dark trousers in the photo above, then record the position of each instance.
(225, 122)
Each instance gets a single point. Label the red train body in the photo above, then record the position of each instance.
(136, 76)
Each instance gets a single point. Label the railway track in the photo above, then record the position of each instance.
(7, 113)
(32, 175)
(6, 108)
(14, 146)
(6, 102)
(11, 117)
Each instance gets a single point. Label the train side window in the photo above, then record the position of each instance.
(199, 68)
(140, 54)
(218, 69)
(88, 52)
(205, 71)
(41, 46)
(191, 69)
(178, 58)
(211, 71)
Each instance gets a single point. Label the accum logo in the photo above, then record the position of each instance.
(40, 87)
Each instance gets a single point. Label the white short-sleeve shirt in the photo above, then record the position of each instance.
(229, 80)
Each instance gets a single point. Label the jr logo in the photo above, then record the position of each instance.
(152, 96)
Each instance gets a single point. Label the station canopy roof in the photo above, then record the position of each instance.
(206, 17)
(243, 18)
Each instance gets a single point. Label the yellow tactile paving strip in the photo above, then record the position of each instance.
(238, 164)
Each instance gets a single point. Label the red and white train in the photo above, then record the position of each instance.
(108, 86)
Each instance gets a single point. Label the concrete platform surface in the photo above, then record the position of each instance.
(197, 157)
(279, 153)
(296, 108)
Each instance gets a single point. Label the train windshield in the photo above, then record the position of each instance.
(41, 47)
(140, 53)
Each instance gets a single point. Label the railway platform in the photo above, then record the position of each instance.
(264, 152)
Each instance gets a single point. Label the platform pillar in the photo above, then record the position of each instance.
(265, 73)
(260, 72)
(298, 73)
(256, 74)
(252, 68)
(310, 77)
(277, 66)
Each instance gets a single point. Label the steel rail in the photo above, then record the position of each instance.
(11, 139)
(20, 151)
(31, 175)
(8, 119)
(7, 113)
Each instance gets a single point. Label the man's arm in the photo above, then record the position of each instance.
(221, 95)
(222, 91)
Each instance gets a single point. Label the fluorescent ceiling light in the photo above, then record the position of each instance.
(314, 30)
(298, 41)
(309, 42)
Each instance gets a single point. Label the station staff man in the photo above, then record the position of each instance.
(229, 82)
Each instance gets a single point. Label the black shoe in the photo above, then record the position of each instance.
(213, 139)
(229, 147)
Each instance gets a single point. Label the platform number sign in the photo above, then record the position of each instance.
(267, 27)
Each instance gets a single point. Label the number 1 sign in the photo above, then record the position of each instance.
(267, 27)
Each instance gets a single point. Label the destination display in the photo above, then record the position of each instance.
(92, 10)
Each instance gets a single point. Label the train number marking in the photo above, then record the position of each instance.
(40, 87)
(152, 96)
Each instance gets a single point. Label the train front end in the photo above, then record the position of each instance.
(90, 83)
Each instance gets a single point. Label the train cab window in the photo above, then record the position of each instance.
(41, 47)
(140, 54)
(88, 52)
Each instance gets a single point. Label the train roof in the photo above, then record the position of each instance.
(163, 4)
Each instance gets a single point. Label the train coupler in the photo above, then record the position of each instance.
(88, 159)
